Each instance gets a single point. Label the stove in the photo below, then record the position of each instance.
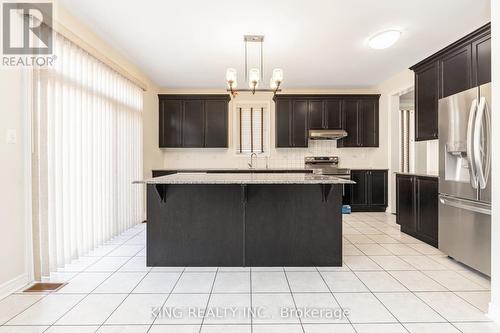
(326, 165)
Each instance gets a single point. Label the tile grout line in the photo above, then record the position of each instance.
(123, 300)
(449, 322)
(47, 294)
(414, 293)
(446, 269)
(208, 301)
(293, 299)
(87, 295)
(468, 300)
(251, 302)
(374, 295)
(166, 299)
(336, 300)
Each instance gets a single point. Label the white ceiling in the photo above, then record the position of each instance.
(318, 43)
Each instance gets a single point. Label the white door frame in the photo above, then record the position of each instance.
(394, 141)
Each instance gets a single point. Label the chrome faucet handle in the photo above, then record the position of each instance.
(250, 165)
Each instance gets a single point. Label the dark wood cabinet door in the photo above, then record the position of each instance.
(405, 203)
(299, 123)
(283, 123)
(170, 132)
(316, 120)
(192, 126)
(481, 60)
(215, 124)
(350, 124)
(359, 190)
(333, 114)
(368, 123)
(427, 208)
(460, 66)
(426, 102)
(377, 188)
(456, 71)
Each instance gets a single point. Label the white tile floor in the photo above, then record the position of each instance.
(390, 282)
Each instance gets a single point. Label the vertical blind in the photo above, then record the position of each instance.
(88, 150)
(405, 140)
(253, 129)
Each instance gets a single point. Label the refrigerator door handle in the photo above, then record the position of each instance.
(470, 148)
(481, 142)
(474, 206)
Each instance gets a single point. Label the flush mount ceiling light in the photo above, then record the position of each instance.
(254, 76)
(384, 39)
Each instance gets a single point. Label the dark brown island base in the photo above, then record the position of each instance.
(244, 219)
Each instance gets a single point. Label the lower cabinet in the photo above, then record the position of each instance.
(417, 207)
(369, 194)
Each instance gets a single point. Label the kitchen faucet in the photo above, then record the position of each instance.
(250, 165)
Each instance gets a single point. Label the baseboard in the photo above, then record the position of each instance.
(13, 285)
(494, 312)
(370, 208)
(428, 240)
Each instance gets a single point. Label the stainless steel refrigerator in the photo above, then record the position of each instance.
(464, 177)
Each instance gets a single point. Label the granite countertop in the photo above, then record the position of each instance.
(245, 178)
(369, 168)
(233, 169)
(420, 174)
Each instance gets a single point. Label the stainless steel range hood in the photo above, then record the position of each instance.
(327, 134)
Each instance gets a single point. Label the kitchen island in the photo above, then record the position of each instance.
(244, 219)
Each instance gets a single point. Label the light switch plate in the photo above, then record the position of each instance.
(11, 136)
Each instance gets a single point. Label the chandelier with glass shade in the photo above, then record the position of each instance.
(254, 76)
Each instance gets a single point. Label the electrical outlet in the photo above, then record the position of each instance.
(11, 136)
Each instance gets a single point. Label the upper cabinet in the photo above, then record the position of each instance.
(426, 102)
(455, 71)
(481, 60)
(360, 120)
(215, 123)
(458, 67)
(291, 123)
(170, 117)
(351, 121)
(299, 123)
(283, 122)
(193, 124)
(332, 114)
(193, 121)
(357, 114)
(325, 114)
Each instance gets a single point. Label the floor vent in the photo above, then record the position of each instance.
(44, 287)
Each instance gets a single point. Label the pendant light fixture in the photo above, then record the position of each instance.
(254, 76)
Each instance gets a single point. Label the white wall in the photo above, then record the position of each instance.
(13, 213)
(495, 219)
(15, 202)
(390, 90)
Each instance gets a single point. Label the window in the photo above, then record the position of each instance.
(88, 151)
(252, 124)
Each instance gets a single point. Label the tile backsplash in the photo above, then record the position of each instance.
(277, 158)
